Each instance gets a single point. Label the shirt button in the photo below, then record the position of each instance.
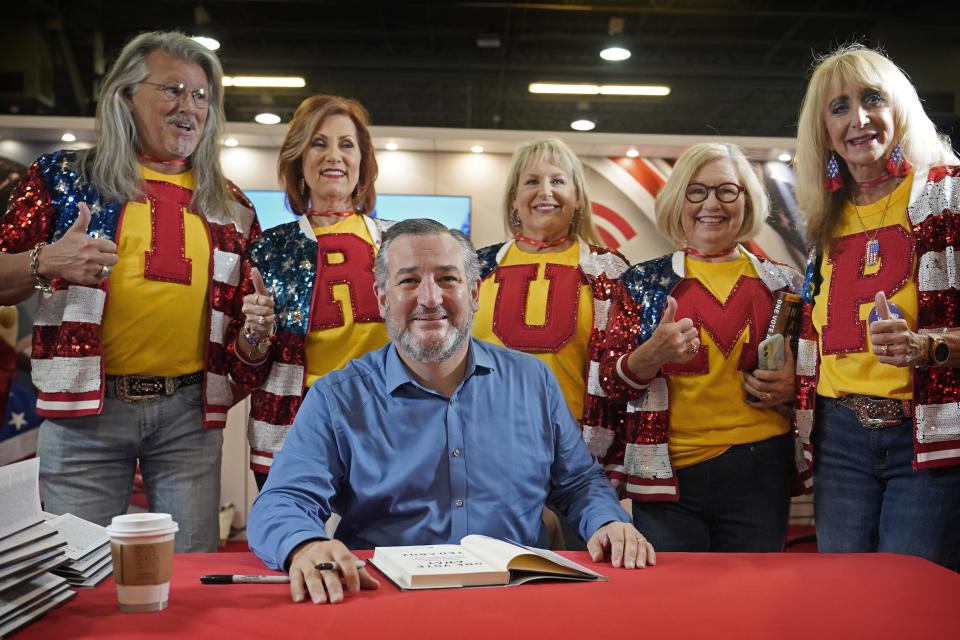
(456, 453)
(459, 503)
(451, 401)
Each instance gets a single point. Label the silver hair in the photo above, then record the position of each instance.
(423, 227)
(112, 163)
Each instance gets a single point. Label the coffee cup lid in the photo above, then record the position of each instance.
(141, 524)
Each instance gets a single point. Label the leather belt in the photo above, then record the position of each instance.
(877, 413)
(140, 388)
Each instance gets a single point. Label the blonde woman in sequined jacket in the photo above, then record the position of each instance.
(707, 468)
(878, 367)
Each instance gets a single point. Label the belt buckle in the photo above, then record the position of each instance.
(870, 412)
(127, 389)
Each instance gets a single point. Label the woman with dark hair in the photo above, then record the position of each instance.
(878, 363)
(308, 303)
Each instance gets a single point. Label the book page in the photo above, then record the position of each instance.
(517, 557)
(19, 495)
(82, 536)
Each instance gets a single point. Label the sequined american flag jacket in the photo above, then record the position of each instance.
(934, 217)
(287, 259)
(635, 450)
(67, 356)
(601, 268)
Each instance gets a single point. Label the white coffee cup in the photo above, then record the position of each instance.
(142, 549)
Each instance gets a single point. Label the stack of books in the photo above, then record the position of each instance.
(88, 550)
(29, 549)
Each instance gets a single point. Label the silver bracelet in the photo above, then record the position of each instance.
(42, 284)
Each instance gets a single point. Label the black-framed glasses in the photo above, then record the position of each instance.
(727, 192)
(176, 93)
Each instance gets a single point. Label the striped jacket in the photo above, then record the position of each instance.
(934, 218)
(67, 357)
(287, 259)
(636, 451)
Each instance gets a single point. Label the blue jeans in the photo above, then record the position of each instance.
(736, 502)
(867, 497)
(87, 464)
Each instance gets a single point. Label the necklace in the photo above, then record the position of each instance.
(871, 252)
(540, 243)
(342, 214)
(886, 175)
(690, 251)
(179, 162)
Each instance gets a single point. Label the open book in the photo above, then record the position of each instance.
(477, 561)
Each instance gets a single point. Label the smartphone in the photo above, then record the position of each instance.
(770, 356)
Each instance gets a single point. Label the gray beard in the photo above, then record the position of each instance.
(415, 350)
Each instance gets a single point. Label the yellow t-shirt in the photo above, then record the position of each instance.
(514, 313)
(708, 413)
(155, 321)
(847, 362)
(331, 347)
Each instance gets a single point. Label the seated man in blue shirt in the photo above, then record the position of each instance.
(435, 436)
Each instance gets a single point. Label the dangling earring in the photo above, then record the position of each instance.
(898, 165)
(514, 218)
(833, 181)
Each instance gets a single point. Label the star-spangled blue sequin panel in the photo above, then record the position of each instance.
(649, 284)
(287, 259)
(488, 259)
(67, 190)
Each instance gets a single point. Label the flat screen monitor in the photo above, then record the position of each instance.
(453, 211)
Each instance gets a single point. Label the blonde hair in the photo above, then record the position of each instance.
(672, 195)
(553, 151)
(858, 68)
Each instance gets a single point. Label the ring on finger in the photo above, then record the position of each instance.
(766, 396)
(693, 348)
(104, 272)
(883, 349)
(261, 320)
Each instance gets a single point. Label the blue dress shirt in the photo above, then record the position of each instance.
(403, 464)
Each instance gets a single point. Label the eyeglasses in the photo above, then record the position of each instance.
(727, 192)
(176, 93)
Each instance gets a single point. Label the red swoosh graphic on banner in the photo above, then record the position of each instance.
(616, 220)
(640, 172)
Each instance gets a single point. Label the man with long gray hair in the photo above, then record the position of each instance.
(135, 246)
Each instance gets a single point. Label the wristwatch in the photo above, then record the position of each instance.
(939, 351)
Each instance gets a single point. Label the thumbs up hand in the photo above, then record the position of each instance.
(672, 341)
(893, 341)
(76, 256)
(258, 308)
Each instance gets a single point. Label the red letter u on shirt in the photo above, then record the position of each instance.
(510, 310)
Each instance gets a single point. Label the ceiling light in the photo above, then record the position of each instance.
(605, 90)
(632, 153)
(288, 82)
(583, 125)
(392, 146)
(476, 148)
(267, 118)
(230, 142)
(615, 54)
(634, 90)
(68, 137)
(557, 87)
(784, 157)
(210, 43)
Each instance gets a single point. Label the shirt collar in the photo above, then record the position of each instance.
(396, 374)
